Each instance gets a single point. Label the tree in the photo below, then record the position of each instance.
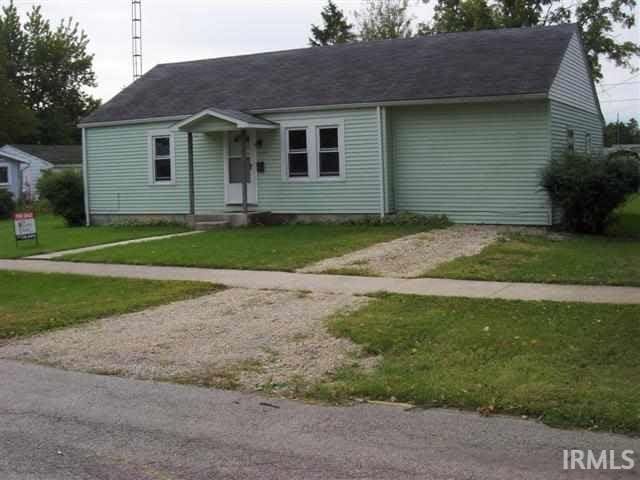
(336, 28)
(383, 19)
(621, 133)
(49, 69)
(17, 122)
(596, 19)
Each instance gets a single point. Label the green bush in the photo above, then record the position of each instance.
(7, 204)
(64, 191)
(589, 189)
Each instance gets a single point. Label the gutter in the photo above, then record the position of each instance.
(340, 106)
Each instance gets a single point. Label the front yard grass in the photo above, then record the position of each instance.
(571, 365)
(54, 235)
(284, 247)
(581, 259)
(34, 302)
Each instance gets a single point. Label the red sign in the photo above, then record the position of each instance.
(24, 224)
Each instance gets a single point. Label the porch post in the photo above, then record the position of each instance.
(245, 170)
(192, 197)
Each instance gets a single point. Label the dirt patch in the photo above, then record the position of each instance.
(249, 339)
(413, 255)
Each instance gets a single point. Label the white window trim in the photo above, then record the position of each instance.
(588, 143)
(151, 158)
(313, 148)
(6, 165)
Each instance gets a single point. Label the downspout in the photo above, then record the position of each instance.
(379, 111)
(85, 177)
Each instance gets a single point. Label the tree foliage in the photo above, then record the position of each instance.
(384, 19)
(596, 19)
(65, 193)
(622, 133)
(48, 69)
(336, 29)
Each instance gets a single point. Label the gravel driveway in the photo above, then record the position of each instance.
(249, 339)
(413, 255)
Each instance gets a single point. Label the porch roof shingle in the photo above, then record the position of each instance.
(456, 65)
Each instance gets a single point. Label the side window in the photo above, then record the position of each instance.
(587, 143)
(161, 158)
(4, 175)
(328, 152)
(297, 153)
(571, 140)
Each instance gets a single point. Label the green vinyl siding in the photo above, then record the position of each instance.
(118, 160)
(118, 166)
(358, 192)
(474, 163)
(208, 168)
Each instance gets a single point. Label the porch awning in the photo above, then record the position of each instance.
(217, 120)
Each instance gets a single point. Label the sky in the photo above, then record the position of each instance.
(177, 30)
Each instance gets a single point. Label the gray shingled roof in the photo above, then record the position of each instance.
(55, 154)
(472, 64)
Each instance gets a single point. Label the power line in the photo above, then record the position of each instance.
(621, 100)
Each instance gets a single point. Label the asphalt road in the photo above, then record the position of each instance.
(57, 425)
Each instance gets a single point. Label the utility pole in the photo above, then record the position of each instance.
(618, 129)
(136, 38)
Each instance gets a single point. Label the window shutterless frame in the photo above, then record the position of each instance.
(162, 164)
(4, 175)
(297, 152)
(324, 149)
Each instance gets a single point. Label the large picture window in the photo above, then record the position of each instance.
(313, 150)
(161, 157)
(4, 175)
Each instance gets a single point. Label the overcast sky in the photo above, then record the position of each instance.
(175, 30)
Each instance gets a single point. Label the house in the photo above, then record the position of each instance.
(458, 124)
(37, 159)
(11, 172)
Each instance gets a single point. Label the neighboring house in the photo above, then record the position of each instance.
(11, 173)
(458, 124)
(40, 158)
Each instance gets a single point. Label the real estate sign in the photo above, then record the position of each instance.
(24, 224)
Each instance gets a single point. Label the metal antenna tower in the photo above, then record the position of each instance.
(136, 38)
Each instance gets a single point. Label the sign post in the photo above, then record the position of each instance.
(24, 225)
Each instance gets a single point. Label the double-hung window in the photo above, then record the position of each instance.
(313, 150)
(4, 175)
(571, 140)
(328, 151)
(297, 152)
(162, 166)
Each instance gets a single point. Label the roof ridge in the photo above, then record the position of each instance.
(372, 42)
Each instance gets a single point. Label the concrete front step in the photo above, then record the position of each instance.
(212, 224)
(233, 219)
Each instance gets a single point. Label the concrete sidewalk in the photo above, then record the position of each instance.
(93, 248)
(342, 283)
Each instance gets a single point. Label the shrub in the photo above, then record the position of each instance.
(7, 204)
(64, 191)
(589, 189)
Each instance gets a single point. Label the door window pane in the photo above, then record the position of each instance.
(236, 171)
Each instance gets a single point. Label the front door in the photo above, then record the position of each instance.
(234, 170)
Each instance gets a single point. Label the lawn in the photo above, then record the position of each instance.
(35, 302)
(571, 365)
(55, 235)
(284, 247)
(581, 259)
